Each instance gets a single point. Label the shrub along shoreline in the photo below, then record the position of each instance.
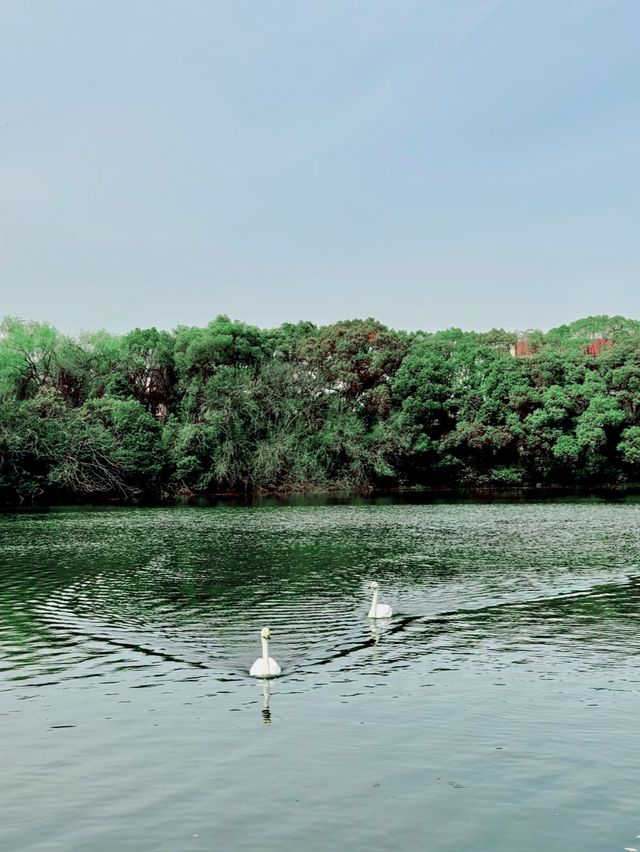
(231, 408)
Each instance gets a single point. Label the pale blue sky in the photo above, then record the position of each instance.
(459, 162)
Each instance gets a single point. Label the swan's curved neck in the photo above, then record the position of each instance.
(374, 602)
(265, 654)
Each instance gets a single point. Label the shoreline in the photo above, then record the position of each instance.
(403, 494)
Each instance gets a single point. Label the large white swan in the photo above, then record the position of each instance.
(265, 666)
(378, 610)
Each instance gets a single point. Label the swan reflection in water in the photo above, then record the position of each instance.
(377, 628)
(266, 695)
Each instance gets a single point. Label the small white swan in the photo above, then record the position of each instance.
(378, 610)
(265, 666)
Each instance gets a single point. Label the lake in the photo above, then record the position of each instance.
(497, 710)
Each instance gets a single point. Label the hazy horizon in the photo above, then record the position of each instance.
(471, 164)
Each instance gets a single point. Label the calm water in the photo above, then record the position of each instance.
(499, 709)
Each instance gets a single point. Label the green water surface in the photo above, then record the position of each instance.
(498, 710)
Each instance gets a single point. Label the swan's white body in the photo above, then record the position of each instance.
(265, 666)
(378, 610)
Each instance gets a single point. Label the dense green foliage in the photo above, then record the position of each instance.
(231, 407)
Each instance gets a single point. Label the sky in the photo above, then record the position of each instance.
(469, 163)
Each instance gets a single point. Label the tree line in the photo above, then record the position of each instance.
(233, 408)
